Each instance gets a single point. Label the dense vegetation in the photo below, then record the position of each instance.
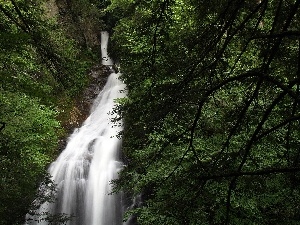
(212, 116)
(42, 69)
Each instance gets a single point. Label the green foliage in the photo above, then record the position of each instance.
(27, 144)
(84, 19)
(212, 114)
(40, 69)
(46, 194)
(39, 50)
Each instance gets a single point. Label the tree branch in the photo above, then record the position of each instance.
(267, 171)
(283, 123)
(280, 35)
(239, 120)
(14, 20)
(2, 126)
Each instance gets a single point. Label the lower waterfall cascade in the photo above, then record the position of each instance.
(85, 168)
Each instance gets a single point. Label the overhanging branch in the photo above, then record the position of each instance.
(251, 173)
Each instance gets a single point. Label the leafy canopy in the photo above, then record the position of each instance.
(212, 115)
(40, 70)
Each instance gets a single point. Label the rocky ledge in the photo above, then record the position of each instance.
(81, 110)
(82, 104)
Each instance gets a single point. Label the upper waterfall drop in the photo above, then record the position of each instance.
(85, 168)
(106, 60)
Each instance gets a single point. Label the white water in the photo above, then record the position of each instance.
(106, 60)
(83, 171)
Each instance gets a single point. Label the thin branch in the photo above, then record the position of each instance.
(253, 138)
(239, 120)
(278, 126)
(179, 163)
(249, 40)
(276, 17)
(17, 9)
(165, 145)
(228, 200)
(274, 50)
(2, 126)
(255, 73)
(14, 20)
(280, 35)
(298, 91)
(267, 171)
(159, 20)
(248, 148)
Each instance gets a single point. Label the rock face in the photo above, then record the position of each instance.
(51, 9)
(98, 76)
(82, 21)
(82, 104)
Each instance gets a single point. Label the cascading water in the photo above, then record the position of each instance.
(89, 162)
(106, 60)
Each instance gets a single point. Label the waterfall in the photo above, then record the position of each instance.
(89, 162)
(106, 60)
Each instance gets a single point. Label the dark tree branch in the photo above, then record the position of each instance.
(163, 7)
(14, 20)
(193, 128)
(267, 171)
(244, 22)
(257, 75)
(276, 17)
(280, 125)
(2, 126)
(179, 163)
(239, 120)
(298, 92)
(195, 153)
(20, 15)
(248, 148)
(274, 50)
(228, 200)
(253, 138)
(249, 40)
(215, 40)
(281, 35)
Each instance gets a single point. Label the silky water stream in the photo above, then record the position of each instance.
(89, 162)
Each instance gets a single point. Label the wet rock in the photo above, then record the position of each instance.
(83, 103)
(98, 78)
